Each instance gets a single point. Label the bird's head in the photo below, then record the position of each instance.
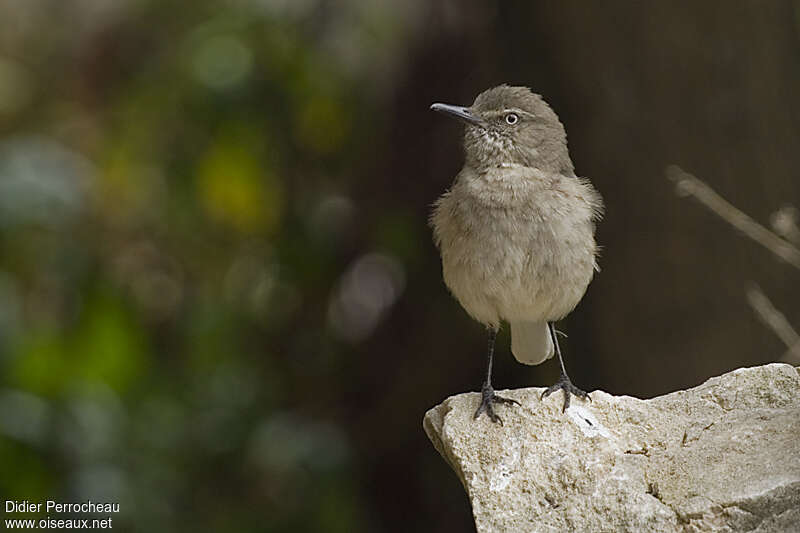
(512, 125)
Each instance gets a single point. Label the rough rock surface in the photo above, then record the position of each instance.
(724, 456)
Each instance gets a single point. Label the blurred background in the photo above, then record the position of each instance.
(220, 305)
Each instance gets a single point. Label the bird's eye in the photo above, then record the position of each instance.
(512, 118)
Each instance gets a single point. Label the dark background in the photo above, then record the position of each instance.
(220, 305)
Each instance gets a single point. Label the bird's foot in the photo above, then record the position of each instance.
(488, 397)
(566, 385)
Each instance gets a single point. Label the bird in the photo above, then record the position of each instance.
(516, 229)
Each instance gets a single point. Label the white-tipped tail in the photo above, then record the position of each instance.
(530, 342)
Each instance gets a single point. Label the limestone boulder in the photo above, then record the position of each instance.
(723, 456)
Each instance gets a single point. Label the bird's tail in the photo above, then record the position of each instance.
(530, 342)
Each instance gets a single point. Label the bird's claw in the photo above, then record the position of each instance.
(566, 385)
(488, 397)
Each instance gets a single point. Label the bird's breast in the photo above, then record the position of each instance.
(515, 254)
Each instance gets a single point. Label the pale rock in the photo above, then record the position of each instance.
(724, 456)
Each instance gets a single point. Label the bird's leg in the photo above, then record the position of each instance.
(563, 382)
(488, 397)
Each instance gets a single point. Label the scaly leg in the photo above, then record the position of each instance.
(488, 397)
(563, 382)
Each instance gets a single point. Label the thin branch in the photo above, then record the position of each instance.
(688, 185)
(776, 321)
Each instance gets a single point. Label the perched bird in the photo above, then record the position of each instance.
(516, 228)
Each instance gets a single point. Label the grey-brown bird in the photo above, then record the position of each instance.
(516, 229)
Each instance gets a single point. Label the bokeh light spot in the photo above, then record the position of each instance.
(368, 288)
(222, 62)
(322, 125)
(238, 190)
